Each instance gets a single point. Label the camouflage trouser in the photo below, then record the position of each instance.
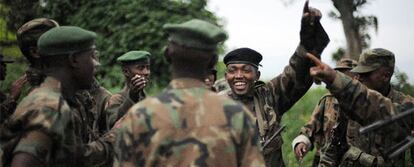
(274, 159)
(356, 157)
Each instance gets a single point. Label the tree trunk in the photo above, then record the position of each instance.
(351, 29)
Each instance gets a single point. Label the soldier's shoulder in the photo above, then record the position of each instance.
(41, 106)
(327, 97)
(40, 97)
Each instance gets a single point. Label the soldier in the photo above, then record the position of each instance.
(211, 79)
(8, 103)
(186, 124)
(211, 75)
(269, 101)
(317, 130)
(364, 106)
(136, 69)
(49, 128)
(221, 86)
(27, 36)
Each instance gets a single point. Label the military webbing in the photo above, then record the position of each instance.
(262, 125)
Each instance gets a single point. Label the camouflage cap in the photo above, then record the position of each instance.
(345, 63)
(65, 40)
(133, 56)
(28, 34)
(4, 60)
(372, 59)
(196, 33)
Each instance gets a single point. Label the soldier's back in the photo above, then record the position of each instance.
(188, 127)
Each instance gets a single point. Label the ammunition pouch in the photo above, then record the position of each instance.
(355, 157)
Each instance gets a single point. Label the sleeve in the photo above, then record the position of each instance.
(313, 130)
(43, 128)
(134, 132)
(100, 152)
(117, 106)
(359, 103)
(293, 83)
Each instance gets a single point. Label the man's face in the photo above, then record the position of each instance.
(85, 71)
(3, 71)
(209, 81)
(379, 79)
(141, 68)
(241, 78)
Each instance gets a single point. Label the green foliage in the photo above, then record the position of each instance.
(338, 54)
(401, 83)
(294, 119)
(124, 25)
(121, 25)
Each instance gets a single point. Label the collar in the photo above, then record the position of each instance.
(181, 83)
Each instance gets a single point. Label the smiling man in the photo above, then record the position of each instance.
(269, 101)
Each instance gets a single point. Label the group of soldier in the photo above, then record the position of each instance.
(68, 119)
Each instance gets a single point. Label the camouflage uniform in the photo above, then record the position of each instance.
(48, 127)
(365, 106)
(118, 104)
(317, 130)
(187, 124)
(271, 100)
(159, 130)
(52, 128)
(95, 100)
(365, 149)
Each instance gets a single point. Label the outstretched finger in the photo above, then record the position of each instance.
(314, 59)
(306, 7)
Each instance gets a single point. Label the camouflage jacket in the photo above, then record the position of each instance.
(187, 125)
(50, 128)
(94, 101)
(271, 100)
(364, 106)
(318, 129)
(7, 107)
(119, 104)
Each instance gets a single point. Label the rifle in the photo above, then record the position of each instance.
(273, 136)
(400, 147)
(385, 122)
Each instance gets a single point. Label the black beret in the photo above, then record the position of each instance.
(243, 56)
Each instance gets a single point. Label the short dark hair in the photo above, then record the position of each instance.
(190, 61)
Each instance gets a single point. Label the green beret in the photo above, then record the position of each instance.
(133, 56)
(372, 59)
(65, 40)
(196, 33)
